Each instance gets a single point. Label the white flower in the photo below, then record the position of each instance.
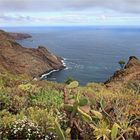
(15, 131)
(23, 125)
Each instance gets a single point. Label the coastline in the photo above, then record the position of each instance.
(52, 71)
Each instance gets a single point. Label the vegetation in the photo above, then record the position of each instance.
(121, 63)
(51, 111)
(69, 80)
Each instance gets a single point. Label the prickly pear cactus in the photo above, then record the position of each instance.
(72, 85)
(59, 131)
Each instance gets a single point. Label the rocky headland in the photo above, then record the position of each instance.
(130, 73)
(36, 62)
(19, 36)
(30, 61)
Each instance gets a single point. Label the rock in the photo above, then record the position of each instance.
(31, 61)
(131, 72)
(19, 36)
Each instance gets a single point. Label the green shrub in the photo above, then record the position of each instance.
(5, 101)
(69, 80)
(42, 117)
(46, 98)
(121, 63)
(6, 119)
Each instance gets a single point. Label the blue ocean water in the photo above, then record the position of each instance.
(91, 53)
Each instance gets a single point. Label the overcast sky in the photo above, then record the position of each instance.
(69, 12)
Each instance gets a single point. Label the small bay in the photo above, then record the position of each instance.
(91, 53)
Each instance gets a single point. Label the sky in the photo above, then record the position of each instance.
(69, 12)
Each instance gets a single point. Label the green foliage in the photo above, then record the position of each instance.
(83, 101)
(114, 131)
(77, 103)
(5, 101)
(121, 63)
(46, 98)
(102, 131)
(6, 119)
(68, 107)
(28, 110)
(72, 85)
(59, 131)
(26, 87)
(97, 114)
(69, 80)
(9, 80)
(87, 118)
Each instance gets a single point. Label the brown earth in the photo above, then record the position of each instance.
(130, 73)
(20, 60)
(19, 36)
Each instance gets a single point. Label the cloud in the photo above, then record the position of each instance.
(20, 20)
(130, 6)
(44, 12)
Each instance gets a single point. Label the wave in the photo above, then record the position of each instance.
(52, 71)
(66, 68)
(46, 74)
(63, 62)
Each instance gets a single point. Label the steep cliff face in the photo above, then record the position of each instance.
(131, 72)
(31, 61)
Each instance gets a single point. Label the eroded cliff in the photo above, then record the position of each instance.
(20, 60)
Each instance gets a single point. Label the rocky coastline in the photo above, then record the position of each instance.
(33, 62)
(127, 75)
(19, 36)
(39, 62)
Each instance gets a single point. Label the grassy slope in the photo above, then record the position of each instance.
(30, 109)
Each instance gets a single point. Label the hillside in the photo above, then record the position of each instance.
(43, 110)
(129, 75)
(19, 36)
(20, 60)
(48, 110)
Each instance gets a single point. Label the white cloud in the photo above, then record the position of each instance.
(131, 6)
(44, 12)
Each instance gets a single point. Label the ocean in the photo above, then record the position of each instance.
(91, 53)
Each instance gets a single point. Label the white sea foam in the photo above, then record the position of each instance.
(63, 62)
(46, 74)
(66, 68)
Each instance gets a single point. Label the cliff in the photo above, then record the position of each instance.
(131, 72)
(19, 36)
(20, 60)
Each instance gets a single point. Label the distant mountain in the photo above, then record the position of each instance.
(19, 60)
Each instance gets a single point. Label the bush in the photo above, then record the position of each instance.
(24, 129)
(42, 117)
(5, 101)
(17, 104)
(121, 63)
(69, 80)
(6, 119)
(46, 99)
